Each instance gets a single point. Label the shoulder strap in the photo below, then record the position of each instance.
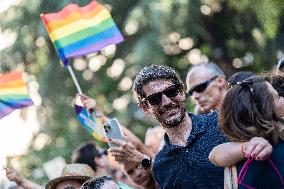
(230, 178)
(245, 168)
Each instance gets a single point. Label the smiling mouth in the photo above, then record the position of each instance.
(171, 112)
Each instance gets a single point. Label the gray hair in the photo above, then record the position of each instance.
(212, 67)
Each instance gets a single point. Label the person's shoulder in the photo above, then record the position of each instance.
(209, 123)
(279, 147)
(161, 153)
(209, 118)
(210, 115)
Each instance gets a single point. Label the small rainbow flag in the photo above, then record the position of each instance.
(77, 31)
(13, 93)
(92, 124)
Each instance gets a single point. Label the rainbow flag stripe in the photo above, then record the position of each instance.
(92, 124)
(13, 93)
(77, 31)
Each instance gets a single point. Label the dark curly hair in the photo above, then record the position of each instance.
(248, 111)
(151, 73)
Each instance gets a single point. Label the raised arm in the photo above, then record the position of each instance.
(14, 175)
(91, 105)
(231, 153)
(131, 159)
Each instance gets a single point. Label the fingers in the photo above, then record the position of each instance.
(258, 148)
(90, 104)
(87, 102)
(117, 155)
(117, 142)
(265, 153)
(249, 149)
(9, 170)
(125, 138)
(10, 174)
(115, 150)
(123, 146)
(82, 96)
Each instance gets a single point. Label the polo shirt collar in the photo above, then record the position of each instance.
(197, 128)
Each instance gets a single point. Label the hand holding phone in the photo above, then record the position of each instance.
(112, 131)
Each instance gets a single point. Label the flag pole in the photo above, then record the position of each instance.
(74, 79)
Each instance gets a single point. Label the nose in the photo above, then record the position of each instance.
(166, 100)
(138, 174)
(195, 95)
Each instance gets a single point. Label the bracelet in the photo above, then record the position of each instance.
(244, 148)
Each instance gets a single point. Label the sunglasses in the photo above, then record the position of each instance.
(280, 65)
(156, 98)
(201, 87)
(102, 153)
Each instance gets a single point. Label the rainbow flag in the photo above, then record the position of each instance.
(13, 93)
(91, 123)
(77, 31)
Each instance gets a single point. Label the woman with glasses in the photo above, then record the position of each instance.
(253, 108)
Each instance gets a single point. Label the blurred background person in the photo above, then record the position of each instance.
(100, 161)
(132, 152)
(239, 76)
(72, 177)
(13, 175)
(154, 139)
(104, 182)
(206, 85)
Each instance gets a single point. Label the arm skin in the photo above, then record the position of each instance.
(91, 105)
(231, 153)
(131, 159)
(226, 154)
(14, 175)
(136, 142)
(126, 153)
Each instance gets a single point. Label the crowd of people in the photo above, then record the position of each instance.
(233, 139)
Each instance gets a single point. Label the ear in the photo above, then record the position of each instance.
(221, 81)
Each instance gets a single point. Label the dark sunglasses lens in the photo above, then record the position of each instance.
(200, 88)
(281, 65)
(171, 92)
(155, 98)
(104, 152)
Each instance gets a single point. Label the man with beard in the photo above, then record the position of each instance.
(183, 161)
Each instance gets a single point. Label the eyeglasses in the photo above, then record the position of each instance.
(280, 65)
(102, 153)
(156, 98)
(201, 87)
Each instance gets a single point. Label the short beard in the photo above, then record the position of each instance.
(175, 122)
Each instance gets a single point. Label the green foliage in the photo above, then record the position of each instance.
(220, 30)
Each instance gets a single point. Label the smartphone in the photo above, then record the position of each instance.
(112, 131)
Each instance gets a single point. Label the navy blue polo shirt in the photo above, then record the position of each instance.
(188, 167)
